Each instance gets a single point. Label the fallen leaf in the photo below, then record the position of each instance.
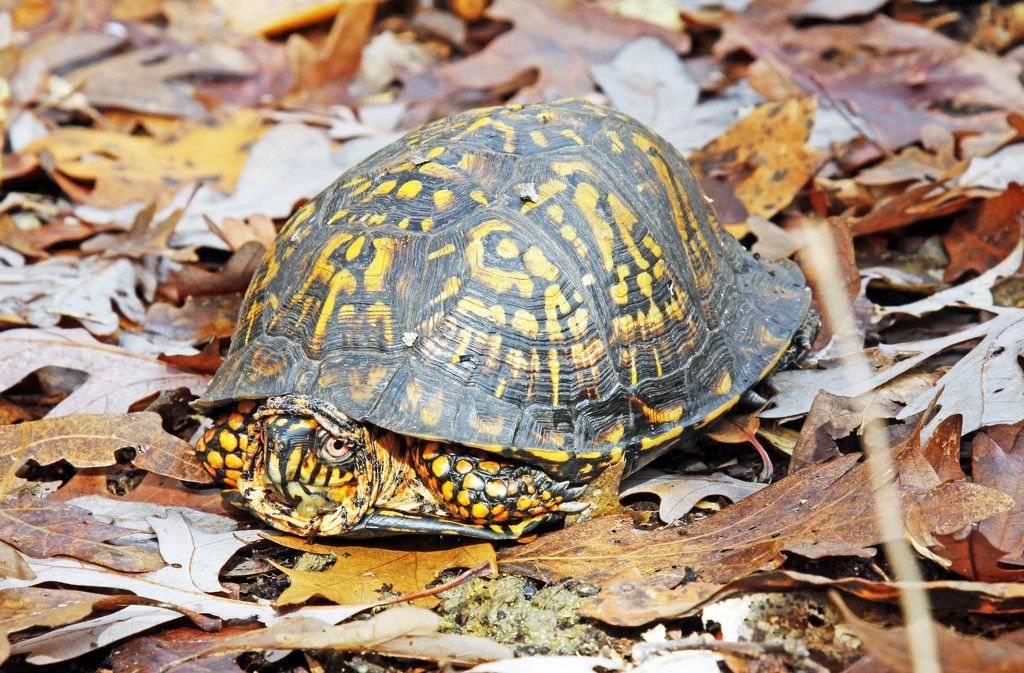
(560, 40)
(369, 572)
(763, 159)
(43, 530)
(117, 378)
(891, 72)
(957, 653)
(680, 493)
(985, 235)
(90, 441)
(198, 319)
(147, 236)
(233, 276)
(127, 168)
(150, 654)
(27, 607)
(403, 632)
(86, 290)
(821, 510)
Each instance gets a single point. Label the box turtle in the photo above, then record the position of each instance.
(470, 325)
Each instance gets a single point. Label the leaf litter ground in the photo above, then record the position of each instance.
(144, 172)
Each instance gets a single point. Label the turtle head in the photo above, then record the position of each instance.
(310, 470)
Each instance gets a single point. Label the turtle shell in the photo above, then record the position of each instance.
(547, 282)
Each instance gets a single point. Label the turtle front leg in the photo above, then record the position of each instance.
(222, 448)
(483, 489)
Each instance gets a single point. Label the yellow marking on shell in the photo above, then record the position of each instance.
(374, 220)
(435, 152)
(619, 292)
(426, 224)
(353, 182)
(379, 312)
(666, 415)
(617, 145)
(658, 440)
(659, 268)
(479, 196)
(587, 280)
(443, 199)
(554, 365)
(550, 455)
(441, 171)
(624, 220)
(585, 198)
(545, 191)
(338, 215)
(555, 304)
(539, 265)
(360, 189)
(556, 213)
(430, 412)
(441, 252)
(565, 168)
(343, 281)
(414, 393)
(507, 248)
(409, 189)
(525, 322)
(568, 232)
(657, 360)
(615, 434)
(449, 289)
(488, 426)
(361, 388)
(373, 278)
(354, 249)
(465, 340)
(538, 138)
(500, 280)
(724, 384)
(499, 389)
(643, 281)
(579, 321)
(571, 135)
(404, 224)
(500, 126)
(384, 187)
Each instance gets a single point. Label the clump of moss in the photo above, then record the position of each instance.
(512, 611)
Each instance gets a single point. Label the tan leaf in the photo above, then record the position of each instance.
(117, 378)
(361, 571)
(763, 159)
(23, 608)
(45, 530)
(559, 39)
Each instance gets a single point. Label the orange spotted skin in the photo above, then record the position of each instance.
(540, 286)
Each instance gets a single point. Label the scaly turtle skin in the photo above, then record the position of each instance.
(470, 325)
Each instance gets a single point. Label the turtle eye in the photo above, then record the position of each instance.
(332, 448)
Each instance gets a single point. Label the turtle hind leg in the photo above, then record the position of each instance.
(482, 489)
(222, 448)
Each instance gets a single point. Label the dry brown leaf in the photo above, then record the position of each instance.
(198, 319)
(403, 632)
(42, 530)
(824, 509)
(90, 441)
(763, 160)
(234, 276)
(983, 236)
(369, 572)
(559, 40)
(145, 237)
(678, 493)
(26, 607)
(898, 75)
(117, 378)
(149, 654)
(127, 168)
(957, 653)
